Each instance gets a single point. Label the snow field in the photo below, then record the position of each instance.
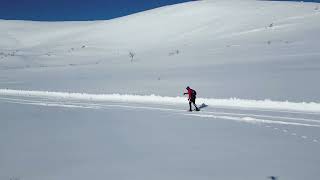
(154, 99)
(75, 106)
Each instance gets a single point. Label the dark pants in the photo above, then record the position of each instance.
(193, 101)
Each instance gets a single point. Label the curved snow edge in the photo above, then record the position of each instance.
(232, 102)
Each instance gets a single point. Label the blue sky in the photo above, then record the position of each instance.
(66, 10)
(58, 10)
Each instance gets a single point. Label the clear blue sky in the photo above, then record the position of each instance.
(66, 10)
(58, 10)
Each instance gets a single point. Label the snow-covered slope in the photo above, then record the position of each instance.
(245, 49)
(74, 105)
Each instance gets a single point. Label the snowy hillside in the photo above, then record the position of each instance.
(103, 99)
(244, 49)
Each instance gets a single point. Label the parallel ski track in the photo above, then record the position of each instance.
(233, 103)
(240, 117)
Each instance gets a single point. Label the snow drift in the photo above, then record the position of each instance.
(165, 100)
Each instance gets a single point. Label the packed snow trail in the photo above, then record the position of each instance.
(276, 120)
(165, 100)
(240, 117)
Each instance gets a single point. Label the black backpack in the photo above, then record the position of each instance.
(194, 93)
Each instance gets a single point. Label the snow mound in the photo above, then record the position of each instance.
(166, 100)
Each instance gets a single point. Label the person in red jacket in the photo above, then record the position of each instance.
(192, 98)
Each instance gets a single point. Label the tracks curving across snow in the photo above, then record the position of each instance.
(264, 113)
(261, 105)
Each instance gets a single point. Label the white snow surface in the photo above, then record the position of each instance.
(75, 106)
(241, 48)
(165, 100)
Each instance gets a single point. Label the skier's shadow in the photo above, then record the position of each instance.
(203, 105)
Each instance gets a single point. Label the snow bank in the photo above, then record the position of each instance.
(154, 99)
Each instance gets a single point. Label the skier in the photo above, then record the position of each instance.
(192, 98)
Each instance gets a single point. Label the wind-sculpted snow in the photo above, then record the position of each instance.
(165, 100)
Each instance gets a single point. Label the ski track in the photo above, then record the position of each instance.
(252, 120)
(294, 134)
(91, 105)
(271, 122)
(262, 105)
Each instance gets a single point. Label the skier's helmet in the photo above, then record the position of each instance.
(188, 87)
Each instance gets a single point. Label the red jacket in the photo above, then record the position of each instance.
(189, 93)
